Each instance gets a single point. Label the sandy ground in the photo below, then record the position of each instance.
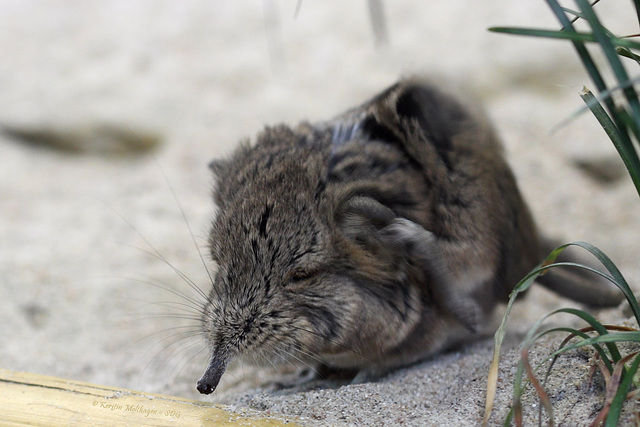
(77, 229)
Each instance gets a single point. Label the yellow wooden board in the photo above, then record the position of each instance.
(38, 400)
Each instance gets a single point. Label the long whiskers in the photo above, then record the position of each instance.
(286, 356)
(333, 341)
(180, 307)
(187, 223)
(192, 304)
(306, 354)
(175, 353)
(186, 354)
(153, 252)
(176, 344)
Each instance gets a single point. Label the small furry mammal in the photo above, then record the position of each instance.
(370, 241)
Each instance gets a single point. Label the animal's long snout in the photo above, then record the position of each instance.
(211, 377)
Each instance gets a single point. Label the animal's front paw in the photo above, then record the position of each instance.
(407, 233)
(424, 251)
(369, 375)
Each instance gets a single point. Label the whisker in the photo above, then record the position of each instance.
(302, 362)
(172, 347)
(291, 347)
(309, 355)
(192, 305)
(178, 343)
(254, 357)
(186, 221)
(153, 252)
(263, 357)
(152, 315)
(176, 338)
(277, 367)
(347, 348)
(176, 361)
(182, 362)
(178, 306)
(194, 328)
(185, 370)
(186, 334)
(178, 311)
(153, 352)
(192, 302)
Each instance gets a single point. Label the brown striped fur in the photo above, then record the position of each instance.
(368, 241)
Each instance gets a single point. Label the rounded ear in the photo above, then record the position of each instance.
(438, 114)
(422, 120)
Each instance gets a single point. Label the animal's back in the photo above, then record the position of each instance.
(439, 163)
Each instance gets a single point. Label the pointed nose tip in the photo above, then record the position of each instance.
(211, 377)
(204, 387)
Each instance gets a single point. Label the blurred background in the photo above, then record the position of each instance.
(108, 109)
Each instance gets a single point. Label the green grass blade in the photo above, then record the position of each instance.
(587, 61)
(620, 122)
(616, 277)
(611, 337)
(579, 40)
(623, 51)
(606, 43)
(631, 124)
(572, 12)
(612, 387)
(518, 387)
(584, 55)
(531, 372)
(508, 418)
(616, 404)
(518, 390)
(597, 326)
(498, 338)
(549, 34)
(578, 333)
(621, 141)
(601, 97)
(565, 35)
(589, 64)
(533, 335)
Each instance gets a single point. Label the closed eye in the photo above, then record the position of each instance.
(297, 276)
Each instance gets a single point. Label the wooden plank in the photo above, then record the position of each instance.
(38, 400)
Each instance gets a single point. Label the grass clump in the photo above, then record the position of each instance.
(605, 340)
(617, 109)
